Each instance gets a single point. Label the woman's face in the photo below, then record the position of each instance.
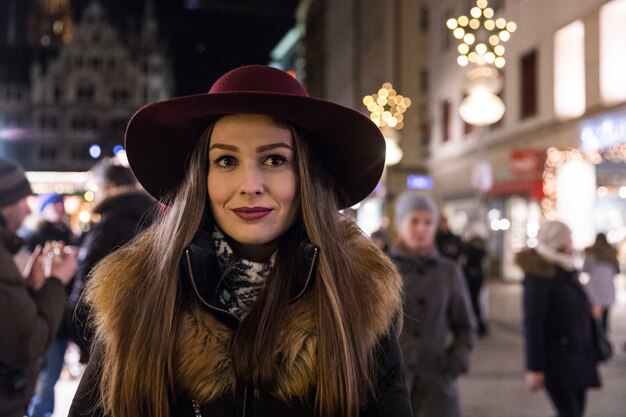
(252, 181)
(417, 231)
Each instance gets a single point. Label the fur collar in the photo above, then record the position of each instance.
(203, 361)
(534, 264)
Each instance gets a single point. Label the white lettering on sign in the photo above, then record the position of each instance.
(604, 132)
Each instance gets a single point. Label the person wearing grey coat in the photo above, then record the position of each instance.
(439, 328)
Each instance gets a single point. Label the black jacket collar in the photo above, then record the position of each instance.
(201, 272)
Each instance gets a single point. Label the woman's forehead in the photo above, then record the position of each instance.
(250, 128)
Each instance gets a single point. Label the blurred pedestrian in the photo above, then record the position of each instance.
(557, 322)
(436, 306)
(31, 302)
(380, 239)
(53, 227)
(123, 210)
(475, 251)
(252, 295)
(602, 266)
(449, 244)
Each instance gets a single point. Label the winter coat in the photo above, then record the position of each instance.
(117, 219)
(600, 287)
(475, 253)
(557, 325)
(203, 357)
(28, 322)
(436, 304)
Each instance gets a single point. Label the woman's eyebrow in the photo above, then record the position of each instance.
(224, 147)
(264, 148)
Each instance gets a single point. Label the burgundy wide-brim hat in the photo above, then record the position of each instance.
(161, 136)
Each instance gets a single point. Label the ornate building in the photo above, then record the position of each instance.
(75, 106)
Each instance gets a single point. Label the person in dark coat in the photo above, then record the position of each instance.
(557, 322)
(251, 295)
(448, 244)
(436, 307)
(122, 212)
(53, 227)
(475, 252)
(31, 304)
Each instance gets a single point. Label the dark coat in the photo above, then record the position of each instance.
(557, 325)
(436, 304)
(117, 219)
(204, 371)
(28, 321)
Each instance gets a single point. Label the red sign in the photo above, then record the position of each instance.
(527, 161)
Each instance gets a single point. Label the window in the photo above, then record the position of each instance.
(85, 93)
(569, 71)
(48, 122)
(529, 83)
(424, 81)
(95, 63)
(84, 123)
(119, 96)
(424, 21)
(613, 51)
(48, 153)
(446, 121)
(446, 36)
(58, 94)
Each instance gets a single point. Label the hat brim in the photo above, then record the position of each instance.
(161, 136)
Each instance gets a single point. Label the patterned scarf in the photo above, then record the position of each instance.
(242, 280)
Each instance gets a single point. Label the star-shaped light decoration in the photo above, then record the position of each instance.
(387, 107)
(481, 36)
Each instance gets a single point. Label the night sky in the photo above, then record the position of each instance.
(210, 37)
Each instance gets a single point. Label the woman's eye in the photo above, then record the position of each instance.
(275, 160)
(224, 161)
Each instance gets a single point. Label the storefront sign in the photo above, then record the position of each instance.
(526, 161)
(603, 132)
(419, 182)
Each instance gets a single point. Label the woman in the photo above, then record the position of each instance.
(252, 296)
(557, 322)
(602, 266)
(438, 332)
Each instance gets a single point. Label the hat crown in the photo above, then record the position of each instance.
(258, 79)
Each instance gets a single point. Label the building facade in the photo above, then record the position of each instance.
(350, 49)
(72, 108)
(556, 154)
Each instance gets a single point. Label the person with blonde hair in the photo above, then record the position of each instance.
(252, 295)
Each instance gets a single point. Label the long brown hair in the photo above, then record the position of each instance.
(137, 374)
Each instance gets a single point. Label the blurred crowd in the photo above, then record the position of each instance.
(44, 268)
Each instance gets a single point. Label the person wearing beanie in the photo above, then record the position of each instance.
(559, 349)
(31, 302)
(53, 227)
(436, 305)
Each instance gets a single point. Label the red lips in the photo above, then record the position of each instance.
(251, 213)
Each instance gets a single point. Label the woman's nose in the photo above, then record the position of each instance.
(251, 181)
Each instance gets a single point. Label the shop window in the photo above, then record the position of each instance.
(569, 71)
(95, 63)
(446, 121)
(85, 93)
(613, 51)
(528, 106)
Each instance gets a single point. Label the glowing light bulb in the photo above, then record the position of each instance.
(499, 62)
(511, 27)
(500, 23)
(463, 49)
(481, 48)
(463, 20)
(476, 12)
(504, 35)
(488, 12)
(469, 38)
(459, 33)
(452, 23)
(499, 50)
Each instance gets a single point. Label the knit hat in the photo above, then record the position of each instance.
(49, 199)
(410, 201)
(553, 236)
(13, 183)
